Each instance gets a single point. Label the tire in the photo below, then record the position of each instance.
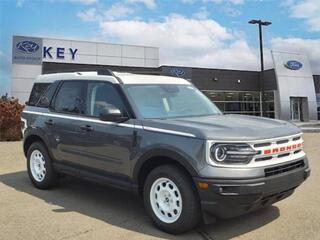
(39, 165)
(176, 210)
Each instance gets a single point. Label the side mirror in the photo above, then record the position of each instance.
(111, 114)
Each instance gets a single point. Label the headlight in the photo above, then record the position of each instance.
(232, 153)
(219, 153)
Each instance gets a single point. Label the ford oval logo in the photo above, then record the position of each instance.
(27, 47)
(293, 65)
(177, 72)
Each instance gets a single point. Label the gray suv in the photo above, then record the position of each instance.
(161, 138)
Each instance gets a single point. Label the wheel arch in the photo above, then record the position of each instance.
(156, 158)
(29, 140)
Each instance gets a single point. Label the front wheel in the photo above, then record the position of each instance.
(171, 199)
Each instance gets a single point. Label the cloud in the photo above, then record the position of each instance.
(196, 41)
(310, 47)
(186, 42)
(187, 1)
(86, 2)
(151, 4)
(227, 6)
(235, 2)
(231, 11)
(287, 3)
(305, 9)
(201, 14)
(89, 16)
(115, 12)
(309, 10)
(20, 3)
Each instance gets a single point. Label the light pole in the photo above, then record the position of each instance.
(261, 23)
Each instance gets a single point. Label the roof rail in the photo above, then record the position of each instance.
(105, 71)
(100, 71)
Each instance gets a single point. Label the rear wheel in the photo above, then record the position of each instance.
(171, 199)
(39, 167)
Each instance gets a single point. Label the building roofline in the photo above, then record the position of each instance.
(88, 41)
(216, 69)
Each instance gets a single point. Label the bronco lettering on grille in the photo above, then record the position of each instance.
(282, 149)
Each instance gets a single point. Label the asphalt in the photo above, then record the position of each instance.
(82, 210)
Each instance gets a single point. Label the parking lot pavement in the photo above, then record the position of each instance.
(81, 210)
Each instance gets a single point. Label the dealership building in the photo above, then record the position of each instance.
(291, 91)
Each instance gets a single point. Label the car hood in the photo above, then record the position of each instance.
(225, 127)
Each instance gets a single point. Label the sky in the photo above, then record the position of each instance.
(198, 33)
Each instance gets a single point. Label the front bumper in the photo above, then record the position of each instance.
(226, 198)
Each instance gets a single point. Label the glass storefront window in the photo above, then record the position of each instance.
(250, 106)
(269, 106)
(269, 114)
(318, 104)
(233, 106)
(231, 96)
(220, 105)
(269, 96)
(242, 102)
(214, 96)
(249, 96)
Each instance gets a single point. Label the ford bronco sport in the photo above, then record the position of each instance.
(160, 137)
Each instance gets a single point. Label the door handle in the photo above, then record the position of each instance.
(87, 128)
(49, 122)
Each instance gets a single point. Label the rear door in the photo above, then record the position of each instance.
(64, 121)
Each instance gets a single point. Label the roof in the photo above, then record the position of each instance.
(115, 77)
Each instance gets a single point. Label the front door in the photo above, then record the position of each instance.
(296, 108)
(105, 146)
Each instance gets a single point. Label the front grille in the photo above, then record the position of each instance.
(258, 145)
(283, 155)
(277, 148)
(263, 159)
(296, 138)
(282, 141)
(283, 168)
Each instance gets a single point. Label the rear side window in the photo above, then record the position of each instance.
(37, 91)
(69, 98)
(46, 97)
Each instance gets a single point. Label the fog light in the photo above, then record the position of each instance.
(203, 185)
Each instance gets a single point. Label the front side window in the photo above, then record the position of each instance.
(69, 98)
(101, 95)
(170, 101)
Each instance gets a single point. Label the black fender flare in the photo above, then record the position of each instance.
(35, 133)
(178, 157)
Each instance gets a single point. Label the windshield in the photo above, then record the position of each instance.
(170, 101)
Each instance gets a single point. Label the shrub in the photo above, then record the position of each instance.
(10, 118)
